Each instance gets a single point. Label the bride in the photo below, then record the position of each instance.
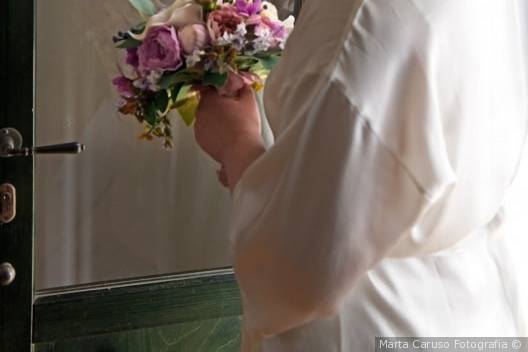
(399, 127)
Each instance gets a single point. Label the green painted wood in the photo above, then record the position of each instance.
(212, 335)
(16, 110)
(136, 304)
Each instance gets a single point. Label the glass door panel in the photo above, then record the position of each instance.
(124, 207)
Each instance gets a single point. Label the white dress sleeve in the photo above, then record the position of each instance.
(372, 142)
(319, 208)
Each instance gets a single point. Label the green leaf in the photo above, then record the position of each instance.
(259, 70)
(175, 90)
(150, 113)
(215, 79)
(156, 106)
(161, 101)
(245, 62)
(145, 7)
(138, 29)
(184, 92)
(268, 61)
(169, 80)
(187, 104)
(129, 43)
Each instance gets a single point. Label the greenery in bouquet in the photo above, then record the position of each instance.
(194, 43)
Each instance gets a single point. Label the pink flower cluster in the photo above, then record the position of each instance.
(248, 26)
(245, 26)
(163, 49)
(226, 44)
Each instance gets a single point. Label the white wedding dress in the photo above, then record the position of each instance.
(399, 127)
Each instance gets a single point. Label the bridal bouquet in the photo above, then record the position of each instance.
(222, 44)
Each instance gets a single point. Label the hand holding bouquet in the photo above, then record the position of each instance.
(228, 45)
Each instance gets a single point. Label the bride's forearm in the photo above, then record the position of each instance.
(239, 156)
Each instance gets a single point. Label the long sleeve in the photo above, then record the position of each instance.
(398, 130)
(319, 208)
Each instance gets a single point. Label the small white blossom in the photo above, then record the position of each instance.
(263, 32)
(149, 81)
(241, 29)
(232, 39)
(141, 83)
(264, 39)
(152, 79)
(194, 58)
(237, 39)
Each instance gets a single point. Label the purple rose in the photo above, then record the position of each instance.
(160, 50)
(247, 8)
(132, 58)
(124, 87)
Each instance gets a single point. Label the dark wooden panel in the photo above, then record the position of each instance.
(218, 335)
(16, 110)
(136, 304)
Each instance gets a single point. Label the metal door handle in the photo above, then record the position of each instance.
(11, 145)
(7, 274)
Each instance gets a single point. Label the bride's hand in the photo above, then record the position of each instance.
(229, 130)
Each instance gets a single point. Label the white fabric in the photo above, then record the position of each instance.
(399, 126)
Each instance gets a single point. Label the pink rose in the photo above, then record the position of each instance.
(160, 50)
(193, 37)
(224, 20)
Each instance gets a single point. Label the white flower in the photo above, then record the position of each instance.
(194, 58)
(269, 10)
(263, 41)
(261, 44)
(181, 13)
(241, 29)
(263, 32)
(289, 23)
(237, 39)
(150, 81)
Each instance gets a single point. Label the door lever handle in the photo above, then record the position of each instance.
(11, 145)
(64, 148)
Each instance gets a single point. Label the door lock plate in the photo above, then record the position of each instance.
(7, 203)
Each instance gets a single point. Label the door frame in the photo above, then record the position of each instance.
(16, 110)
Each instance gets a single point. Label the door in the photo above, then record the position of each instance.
(118, 247)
